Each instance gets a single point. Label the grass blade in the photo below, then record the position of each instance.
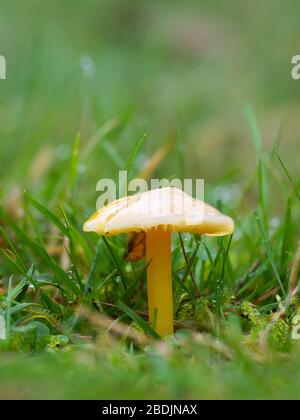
(294, 186)
(118, 267)
(47, 213)
(269, 251)
(74, 166)
(92, 271)
(134, 152)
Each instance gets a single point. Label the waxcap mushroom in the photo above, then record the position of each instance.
(158, 213)
(169, 209)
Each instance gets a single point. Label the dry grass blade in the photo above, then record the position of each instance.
(143, 314)
(266, 295)
(100, 133)
(42, 163)
(64, 259)
(13, 203)
(136, 247)
(295, 270)
(166, 349)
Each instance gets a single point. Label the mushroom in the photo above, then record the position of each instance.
(158, 213)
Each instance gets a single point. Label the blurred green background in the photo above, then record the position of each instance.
(182, 72)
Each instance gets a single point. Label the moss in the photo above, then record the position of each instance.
(279, 334)
(228, 298)
(279, 337)
(249, 311)
(186, 311)
(198, 311)
(202, 311)
(135, 326)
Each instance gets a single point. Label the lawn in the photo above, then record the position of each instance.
(188, 90)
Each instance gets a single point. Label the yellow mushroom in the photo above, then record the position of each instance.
(158, 213)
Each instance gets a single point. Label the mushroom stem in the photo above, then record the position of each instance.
(159, 274)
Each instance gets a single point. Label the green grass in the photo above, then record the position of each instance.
(110, 86)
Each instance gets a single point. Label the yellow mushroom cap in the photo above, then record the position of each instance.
(169, 209)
